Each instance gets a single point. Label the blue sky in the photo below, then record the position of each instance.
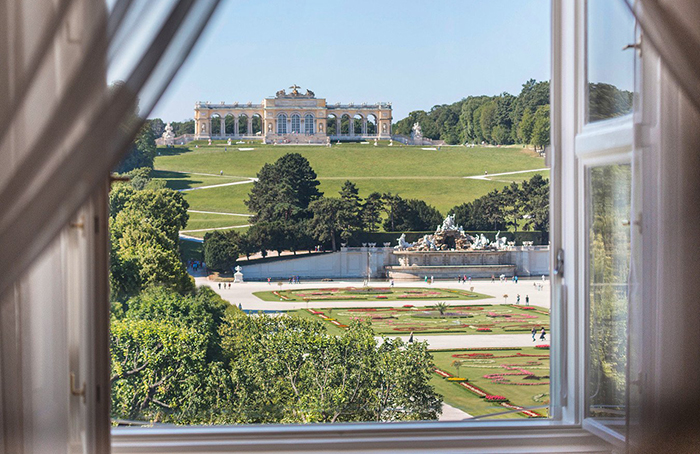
(415, 54)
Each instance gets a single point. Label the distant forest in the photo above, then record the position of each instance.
(497, 120)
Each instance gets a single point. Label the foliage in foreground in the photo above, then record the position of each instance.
(186, 360)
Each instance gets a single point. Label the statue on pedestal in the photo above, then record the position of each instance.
(238, 276)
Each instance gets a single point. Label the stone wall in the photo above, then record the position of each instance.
(353, 263)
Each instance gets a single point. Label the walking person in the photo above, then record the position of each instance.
(410, 339)
(527, 300)
(493, 278)
(542, 338)
(219, 285)
(534, 333)
(517, 299)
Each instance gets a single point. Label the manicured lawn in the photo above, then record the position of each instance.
(442, 193)
(368, 293)
(208, 220)
(178, 180)
(352, 160)
(430, 175)
(201, 234)
(519, 177)
(226, 199)
(459, 318)
(519, 374)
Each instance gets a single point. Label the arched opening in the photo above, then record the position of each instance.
(372, 125)
(216, 125)
(242, 124)
(358, 123)
(282, 123)
(345, 124)
(296, 124)
(332, 125)
(309, 121)
(257, 124)
(230, 122)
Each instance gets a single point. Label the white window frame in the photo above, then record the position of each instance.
(309, 122)
(296, 123)
(282, 123)
(564, 431)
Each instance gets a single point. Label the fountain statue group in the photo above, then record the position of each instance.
(450, 236)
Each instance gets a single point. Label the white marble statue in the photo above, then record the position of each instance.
(403, 244)
(448, 223)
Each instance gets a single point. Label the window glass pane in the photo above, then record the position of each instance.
(608, 269)
(610, 78)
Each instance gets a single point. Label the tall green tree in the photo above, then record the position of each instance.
(142, 151)
(371, 212)
(283, 190)
(326, 224)
(540, 130)
(220, 250)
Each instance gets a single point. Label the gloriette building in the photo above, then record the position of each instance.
(293, 117)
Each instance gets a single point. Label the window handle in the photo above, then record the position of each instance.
(559, 267)
(76, 391)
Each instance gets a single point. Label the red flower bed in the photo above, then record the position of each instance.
(486, 330)
(526, 308)
(369, 309)
(474, 389)
(495, 398)
(408, 305)
(442, 373)
(382, 297)
(543, 346)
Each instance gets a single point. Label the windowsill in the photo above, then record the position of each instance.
(506, 436)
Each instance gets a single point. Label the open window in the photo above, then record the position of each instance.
(621, 302)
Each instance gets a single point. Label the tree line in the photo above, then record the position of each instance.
(290, 213)
(499, 120)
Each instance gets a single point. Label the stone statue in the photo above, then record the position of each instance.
(238, 276)
(168, 135)
(310, 93)
(448, 223)
(403, 244)
(295, 90)
(416, 134)
(281, 93)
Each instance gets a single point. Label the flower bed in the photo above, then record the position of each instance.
(543, 346)
(495, 398)
(457, 379)
(485, 330)
(473, 389)
(528, 413)
(442, 373)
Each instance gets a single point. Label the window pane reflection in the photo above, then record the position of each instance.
(608, 269)
(610, 68)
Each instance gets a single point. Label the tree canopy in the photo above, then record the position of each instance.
(475, 119)
(283, 190)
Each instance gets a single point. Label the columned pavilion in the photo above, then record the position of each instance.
(293, 117)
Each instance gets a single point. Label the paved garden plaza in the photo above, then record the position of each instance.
(485, 358)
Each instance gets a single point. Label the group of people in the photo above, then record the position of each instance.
(196, 265)
(429, 280)
(225, 285)
(463, 279)
(527, 299)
